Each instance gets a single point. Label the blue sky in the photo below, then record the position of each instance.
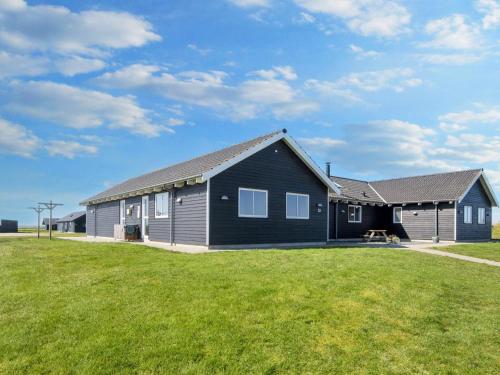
(94, 92)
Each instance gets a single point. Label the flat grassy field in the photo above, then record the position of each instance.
(489, 251)
(69, 307)
(55, 233)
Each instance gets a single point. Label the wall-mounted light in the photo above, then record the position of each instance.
(179, 200)
(415, 213)
(224, 198)
(319, 204)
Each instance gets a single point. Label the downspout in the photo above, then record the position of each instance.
(336, 220)
(436, 221)
(172, 202)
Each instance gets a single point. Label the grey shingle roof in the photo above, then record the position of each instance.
(426, 188)
(46, 221)
(356, 190)
(188, 169)
(72, 216)
(434, 187)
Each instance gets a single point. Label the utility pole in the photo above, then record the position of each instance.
(38, 210)
(50, 206)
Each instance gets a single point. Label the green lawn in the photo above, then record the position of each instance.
(69, 307)
(45, 233)
(489, 251)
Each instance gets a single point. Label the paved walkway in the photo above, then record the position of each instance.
(18, 234)
(453, 255)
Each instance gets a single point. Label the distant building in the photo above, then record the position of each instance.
(8, 226)
(73, 223)
(46, 223)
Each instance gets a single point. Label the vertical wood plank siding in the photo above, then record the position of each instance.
(189, 217)
(422, 225)
(373, 217)
(474, 232)
(90, 222)
(190, 214)
(278, 170)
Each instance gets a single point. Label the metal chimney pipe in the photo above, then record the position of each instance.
(328, 172)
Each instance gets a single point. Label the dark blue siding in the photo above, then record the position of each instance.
(476, 198)
(278, 170)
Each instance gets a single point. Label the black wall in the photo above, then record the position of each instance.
(8, 226)
(278, 170)
(474, 232)
(373, 217)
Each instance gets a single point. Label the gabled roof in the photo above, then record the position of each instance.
(204, 167)
(356, 190)
(439, 187)
(72, 216)
(46, 221)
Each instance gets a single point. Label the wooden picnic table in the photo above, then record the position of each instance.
(378, 233)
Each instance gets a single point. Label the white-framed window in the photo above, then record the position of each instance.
(161, 204)
(397, 215)
(297, 206)
(252, 203)
(354, 214)
(468, 214)
(122, 212)
(481, 215)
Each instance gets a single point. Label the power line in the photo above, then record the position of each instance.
(50, 206)
(38, 210)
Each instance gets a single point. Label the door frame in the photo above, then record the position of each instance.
(144, 216)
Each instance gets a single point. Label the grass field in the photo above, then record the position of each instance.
(45, 233)
(69, 307)
(489, 251)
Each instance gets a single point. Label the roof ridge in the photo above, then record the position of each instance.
(352, 179)
(426, 175)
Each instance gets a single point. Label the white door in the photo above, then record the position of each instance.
(145, 217)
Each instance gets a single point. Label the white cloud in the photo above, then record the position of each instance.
(360, 52)
(451, 127)
(450, 58)
(57, 29)
(175, 122)
(452, 32)
(491, 11)
(304, 18)
(285, 72)
(77, 108)
(483, 115)
(77, 65)
(201, 51)
(17, 140)
(349, 86)
(384, 18)
(267, 94)
(69, 149)
(250, 3)
(17, 65)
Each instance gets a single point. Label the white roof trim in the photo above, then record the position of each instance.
(376, 192)
(487, 187)
(293, 146)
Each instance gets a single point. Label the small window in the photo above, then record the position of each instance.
(161, 205)
(252, 203)
(354, 214)
(481, 215)
(297, 206)
(397, 215)
(468, 214)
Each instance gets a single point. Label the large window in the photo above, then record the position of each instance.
(161, 204)
(252, 203)
(297, 206)
(122, 212)
(468, 214)
(481, 215)
(397, 215)
(354, 214)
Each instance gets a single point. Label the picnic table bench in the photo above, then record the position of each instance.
(378, 234)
